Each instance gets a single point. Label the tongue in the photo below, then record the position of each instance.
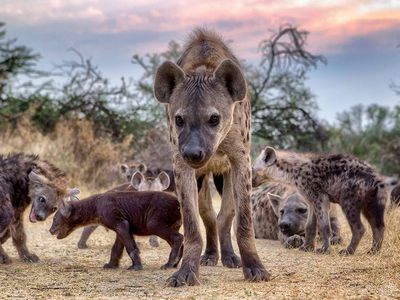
(32, 217)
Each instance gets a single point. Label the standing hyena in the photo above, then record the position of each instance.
(24, 179)
(280, 213)
(325, 178)
(137, 182)
(209, 118)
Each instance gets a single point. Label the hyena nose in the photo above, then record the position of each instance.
(40, 217)
(193, 154)
(284, 227)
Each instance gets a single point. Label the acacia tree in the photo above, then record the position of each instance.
(283, 107)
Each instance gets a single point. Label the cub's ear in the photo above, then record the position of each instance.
(136, 180)
(269, 156)
(37, 178)
(73, 193)
(142, 168)
(275, 201)
(232, 77)
(124, 168)
(164, 180)
(66, 209)
(168, 76)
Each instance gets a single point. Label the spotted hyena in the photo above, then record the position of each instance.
(25, 179)
(138, 182)
(209, 117)
(325, 178)
(280, 213)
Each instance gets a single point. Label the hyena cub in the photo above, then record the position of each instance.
(25, 179)
(137, 182)
(325, 178)
(280, 213)
(127, 213)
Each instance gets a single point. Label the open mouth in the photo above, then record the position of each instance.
(32, 216)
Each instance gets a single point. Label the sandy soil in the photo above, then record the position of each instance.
(65, 271)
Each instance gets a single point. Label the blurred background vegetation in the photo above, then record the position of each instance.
(75, 116)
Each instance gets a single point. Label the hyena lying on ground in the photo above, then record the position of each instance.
(25, 179)
(325, 178)
(209, 117)
(127, 213)
(138, 182)
(280, 213)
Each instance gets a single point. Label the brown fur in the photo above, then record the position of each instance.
(127, 213)
(395, 196)
(25, 179)
(325, 178)
(209, 120)
(137, 182)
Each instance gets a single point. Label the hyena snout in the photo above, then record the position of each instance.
(193, 154)
(285, 227)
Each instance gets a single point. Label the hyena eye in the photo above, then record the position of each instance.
(282, 211)
(54, 209)
(42, 199)
(301, 210)
(179, 121)
(214, 120)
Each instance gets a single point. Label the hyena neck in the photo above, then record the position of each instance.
(85, 212)
(286, 170)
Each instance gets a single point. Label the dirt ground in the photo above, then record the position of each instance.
(65, 271)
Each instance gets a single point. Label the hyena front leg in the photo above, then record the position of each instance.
(225, 219)
(253, 269)
(310, 231)
(188, 197)
(19, 239)
(324, 228)
(207, 213)
(6, 216)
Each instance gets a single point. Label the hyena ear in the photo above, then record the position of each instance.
(269, 157)
(37, 178)
(136, 179)
(275, 201)
(168, 76)
(164, 180)
(73, 193)
(124, 168)
(66, 209)
(142, 168)
(232, 77)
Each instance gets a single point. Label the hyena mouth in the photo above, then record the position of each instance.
(32, 216)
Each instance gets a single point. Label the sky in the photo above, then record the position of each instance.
(359, 38)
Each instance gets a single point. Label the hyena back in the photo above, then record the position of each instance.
(325, 178)
(209, 118)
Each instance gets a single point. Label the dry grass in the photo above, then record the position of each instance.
(65, 271)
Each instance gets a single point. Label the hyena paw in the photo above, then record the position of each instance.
(186, 275)
(30, 257)
(346, 251)
(294, 241)
(136, 267)
(256, 273)
(82, 246)
(231, 261)
(306, 248)
(209, 259)
(153, 241)
(336, 240)
(323, 250)
(110, 266)
(4, 259)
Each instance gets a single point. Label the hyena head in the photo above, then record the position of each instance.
(63, 221)
(144, 183)
(129, 170)
(292, 213)
(264, 167)
(45, 196)
(200, 106)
